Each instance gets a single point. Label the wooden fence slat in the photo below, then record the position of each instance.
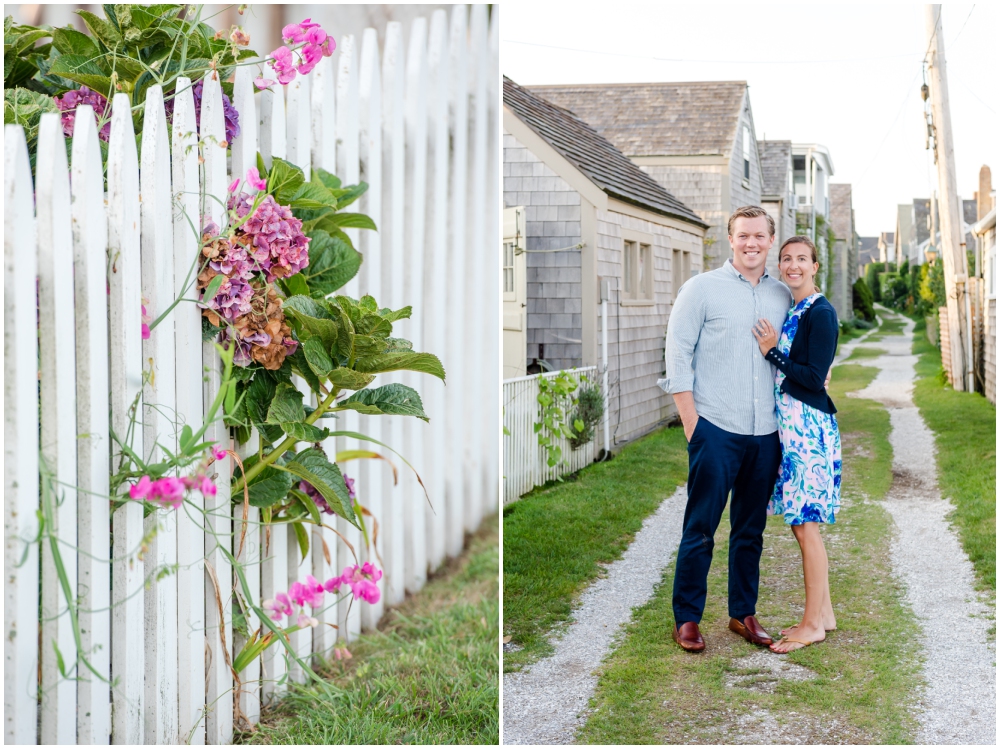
(90, 241)
(245, 157)
(271, 122)
(349, 617)
(323, 103)
(57, 392)
(480, 253)
(491, 288)
(297, 568)
(188, 378)
(372, 486)
(393, 189)
(219, 528)
(437, 285)
(274, 579)
(158, 418)
(125, 341)
(298, 117)
(20, 457)
(459, 490)
(416, 433)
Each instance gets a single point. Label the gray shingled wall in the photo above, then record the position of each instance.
(552, 221)
(636, 333)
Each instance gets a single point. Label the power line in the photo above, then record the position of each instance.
(684, 59)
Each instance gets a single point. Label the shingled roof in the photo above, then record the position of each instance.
(657, 119)
(593, 155)
(774, 158)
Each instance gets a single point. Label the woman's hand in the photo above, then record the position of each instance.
(766, 335)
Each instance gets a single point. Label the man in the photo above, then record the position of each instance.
(724, 391)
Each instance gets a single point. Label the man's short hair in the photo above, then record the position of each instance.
(751, 211)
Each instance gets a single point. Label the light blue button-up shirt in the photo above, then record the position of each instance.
(712, 352)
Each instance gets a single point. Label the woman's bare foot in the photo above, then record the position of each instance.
(828, 627)
(800, 638)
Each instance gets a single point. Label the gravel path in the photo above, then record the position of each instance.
(543, 704)
(959, 706)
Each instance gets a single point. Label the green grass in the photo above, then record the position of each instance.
(556, 538)
(964, 426)
(430, 675)
(865, 352)
(650, 691)
(890, 326)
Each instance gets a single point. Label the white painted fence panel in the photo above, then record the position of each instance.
(525, 463)
(20, 457)
(491, 292)
(90, 241)
(414, 121)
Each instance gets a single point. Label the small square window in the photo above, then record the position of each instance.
(637, 271)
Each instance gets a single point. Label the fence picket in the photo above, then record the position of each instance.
(416, 433)
(20, 456)
(348, 617)
(273, 579)
(188, 380)
(158, 420)
(244, 155)
(393, 296)
(57, 392)
(271, 120)
(372, 485)
(90, 241)
(491, 289)
(323, 104)
(437, 286)
(125, 341)
(478, 244)
(298, 116)
(218, 517)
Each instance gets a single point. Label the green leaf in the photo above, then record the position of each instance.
(71, 42)
(260, 391)
(310, 317)
(267, 488)
(186, 435)
(284, 180)
(351, 194)
(316, 357)
(416, 362)
(348, 379)
(304, 432)
(83, 71)
(332, 263)
(301, 367)
(312, 466)
(303, 538)
(296, 285)
(102, 29)
(394, 399)
(397, 344)
(392, 316)
(345, 221)
(313, 196)
(578, 425)
(286, 405)
(261, 166)
(331, 181)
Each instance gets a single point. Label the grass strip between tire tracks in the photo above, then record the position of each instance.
(866, 673)
(557, 537)
(429, 675)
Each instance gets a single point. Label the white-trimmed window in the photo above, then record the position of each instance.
(637, 270)
(746, 152)
(508, 269)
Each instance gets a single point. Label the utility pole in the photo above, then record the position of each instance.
(956, 272)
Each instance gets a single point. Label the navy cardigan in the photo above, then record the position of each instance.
(810, 357)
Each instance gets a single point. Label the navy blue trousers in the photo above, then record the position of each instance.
(720, 462)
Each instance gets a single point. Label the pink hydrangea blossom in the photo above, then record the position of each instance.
(68, 103)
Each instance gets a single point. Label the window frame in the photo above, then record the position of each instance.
(634, 246)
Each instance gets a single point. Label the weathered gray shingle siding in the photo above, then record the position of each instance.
(552, 217)
(636, 333)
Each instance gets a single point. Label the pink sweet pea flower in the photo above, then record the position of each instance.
(261, 83)
(333, 585)
(279, 606)
(254, 180)
(207, 487)
(233, 185)
(296, 32)
(141, 489)
(146, 320)
(168, 491)
(297, 592)
(311, 55)
(283, 64)
(307, 621)
(342, 653)
(218, 452)
(314, 592)
(362, 581)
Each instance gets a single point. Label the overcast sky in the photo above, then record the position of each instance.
(845, 76)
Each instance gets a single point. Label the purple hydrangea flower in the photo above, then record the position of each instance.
(229, 112)
(279, 246)
(68, 103)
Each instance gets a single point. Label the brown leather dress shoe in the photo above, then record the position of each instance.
(750, 630)
(689, 637)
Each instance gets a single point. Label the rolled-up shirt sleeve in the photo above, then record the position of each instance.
(683, 330)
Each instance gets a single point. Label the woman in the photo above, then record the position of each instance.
(807, 491)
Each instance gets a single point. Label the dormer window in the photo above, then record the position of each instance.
(746, 152)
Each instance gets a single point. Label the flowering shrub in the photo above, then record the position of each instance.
(315, 45)
(68, 103)
(360, 579)
(229, 113)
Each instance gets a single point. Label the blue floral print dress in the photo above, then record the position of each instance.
(808, 486)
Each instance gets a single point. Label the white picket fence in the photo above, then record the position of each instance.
(525, 463)
(417, 120)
